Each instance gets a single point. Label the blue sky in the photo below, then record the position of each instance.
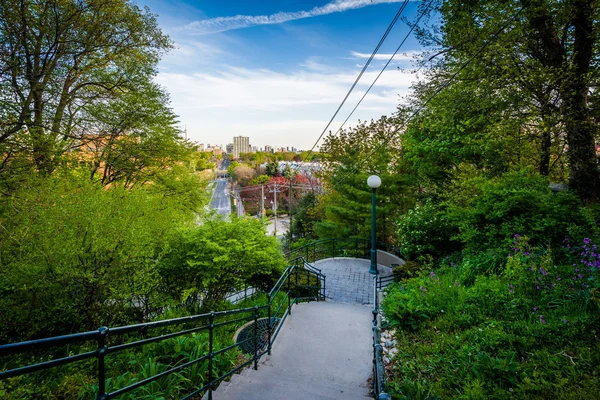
(276, 71)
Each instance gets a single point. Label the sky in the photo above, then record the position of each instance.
(276, 70)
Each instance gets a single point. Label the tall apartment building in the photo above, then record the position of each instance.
(229, 148)
(240, 145)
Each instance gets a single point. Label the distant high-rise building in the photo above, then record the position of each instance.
(229, 148)
(201, 147)
(240, 145)
(254, 149)
(268, 149)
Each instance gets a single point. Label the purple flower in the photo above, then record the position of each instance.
(564, 321)
(537, 287)
(558, 278)
(580, 276)
(432, 274)
(516, 235)
(542, 320)
(526, 254)
(587, 240)
(543, 271)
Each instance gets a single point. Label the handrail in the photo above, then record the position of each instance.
(340, 247)
(302, 283)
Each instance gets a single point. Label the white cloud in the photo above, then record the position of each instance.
(221, 24)
(408, 55)
(275, 107)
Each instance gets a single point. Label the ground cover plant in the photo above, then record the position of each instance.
(528, 330)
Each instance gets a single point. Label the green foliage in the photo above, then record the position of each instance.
(528, 332)
(425, 232)
(260, 180)
(346, 209)
(488, 212)
(211, 260)
(410, 269)
(76, 256)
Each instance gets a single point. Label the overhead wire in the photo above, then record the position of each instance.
(385, 35)
(386, 65)
(435, 93)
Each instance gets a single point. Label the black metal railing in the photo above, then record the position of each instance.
(299, 282)
(341, 247)
(379, 383)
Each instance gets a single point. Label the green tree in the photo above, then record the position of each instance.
(348, 159)
(542, 63)
(272, 169)
(61, 55)
(76, 256)
(208, 262)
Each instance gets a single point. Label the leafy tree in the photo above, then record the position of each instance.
(260, 180)
(132, 138)
(349, 159)
(272, 169)
(243, 174)
(208, 262)
(542, 63)
(76, 256)
(60, 56)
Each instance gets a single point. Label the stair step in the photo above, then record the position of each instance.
(273, 389)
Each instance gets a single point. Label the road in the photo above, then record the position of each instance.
(283, 224)
(220, 200)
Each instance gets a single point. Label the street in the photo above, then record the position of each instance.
(220, 200)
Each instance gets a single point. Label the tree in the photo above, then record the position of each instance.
(208, 262)
(60, 57)
(243, 174)
(76, 256)
(273, 168)
(348, 159)
(543, 61)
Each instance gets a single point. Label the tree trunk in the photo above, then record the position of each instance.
(583, 165)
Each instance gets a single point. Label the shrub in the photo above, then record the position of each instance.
(409, 269)
(424, 231)
(527, 330)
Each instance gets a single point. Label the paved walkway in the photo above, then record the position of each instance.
(348, 279)
(323, 352)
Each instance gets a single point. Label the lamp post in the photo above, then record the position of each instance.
(374, 182)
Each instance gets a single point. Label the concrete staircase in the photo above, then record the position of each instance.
(324, 351)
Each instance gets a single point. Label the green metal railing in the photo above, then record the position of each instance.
(299, 282)
(340, 247)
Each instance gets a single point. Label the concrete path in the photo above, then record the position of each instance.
(323, 352)
(348, 279)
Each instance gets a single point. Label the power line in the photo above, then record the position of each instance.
(386, 65)
(436, 92)
(400, 10)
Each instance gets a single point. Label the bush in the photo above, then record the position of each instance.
(488, 212)
(424, 232)
(410, 269)
(526, 331)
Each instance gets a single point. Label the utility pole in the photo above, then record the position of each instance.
(262, 201)
(275, 209)
(275, 206)
(290, 211)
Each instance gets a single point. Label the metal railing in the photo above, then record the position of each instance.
(299, 282)
(328, 248)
